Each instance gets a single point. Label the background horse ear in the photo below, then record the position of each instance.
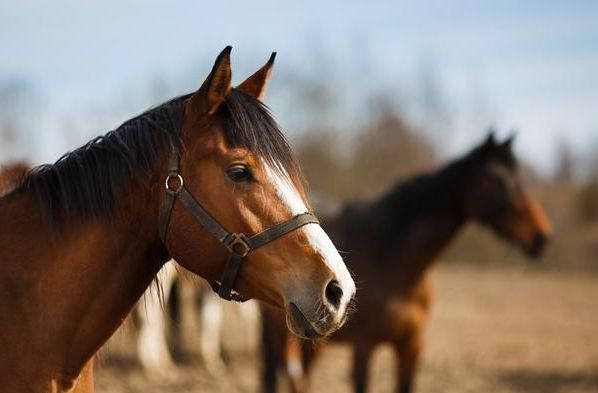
(255, 85)
(509, 142)
(215, 88)
(490, 139)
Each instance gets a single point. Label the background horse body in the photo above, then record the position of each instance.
(152, 347)
(391, 244)
(152, 338)
(81, 239)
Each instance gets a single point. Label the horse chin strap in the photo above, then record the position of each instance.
(238, 244)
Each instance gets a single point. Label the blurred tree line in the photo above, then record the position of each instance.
(388, 147)
(14, 126)
(344, 166)
(353, 151)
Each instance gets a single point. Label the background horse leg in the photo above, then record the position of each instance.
(274, 337)
(152, 346)
(295, 365)
(361, 359)
(300, 356)
(209, 338)
(407, 350)
(84, 383)
(249, 315)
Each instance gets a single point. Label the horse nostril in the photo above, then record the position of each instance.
(334, 293)
(538, 244)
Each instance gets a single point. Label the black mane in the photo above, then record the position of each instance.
(391, 215)
(249, 124)
(419, 194)
(85, 182)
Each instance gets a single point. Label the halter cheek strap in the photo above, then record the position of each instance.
(238, 244)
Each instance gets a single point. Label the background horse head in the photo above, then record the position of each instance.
(496, 197)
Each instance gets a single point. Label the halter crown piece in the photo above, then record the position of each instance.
(238, 244)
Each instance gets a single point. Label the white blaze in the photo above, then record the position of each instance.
(316, 236)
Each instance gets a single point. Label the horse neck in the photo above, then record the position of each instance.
(79, 283)
(418, 220)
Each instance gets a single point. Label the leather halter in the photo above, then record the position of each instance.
(238, 244)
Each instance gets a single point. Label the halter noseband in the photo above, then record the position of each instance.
(238, 244)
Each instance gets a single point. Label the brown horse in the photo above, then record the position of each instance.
(391, 244)
(81, 239)
(11, 175)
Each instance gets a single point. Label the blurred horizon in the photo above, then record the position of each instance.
(78, 69)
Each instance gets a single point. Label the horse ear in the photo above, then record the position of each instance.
(215, 88)
(255, 85)
(490, 139)
(508, 144)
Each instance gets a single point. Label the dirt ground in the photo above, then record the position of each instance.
(490, 331)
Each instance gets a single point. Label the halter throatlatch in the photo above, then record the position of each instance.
(238, 244)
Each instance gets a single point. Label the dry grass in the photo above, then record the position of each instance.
(490, 331)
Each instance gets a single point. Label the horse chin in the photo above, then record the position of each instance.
(533, 249)
(534, 253)
(299, 325)
(538, 245)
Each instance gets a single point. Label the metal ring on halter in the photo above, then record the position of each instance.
(174, 175)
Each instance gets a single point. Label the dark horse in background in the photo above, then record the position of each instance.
(81, 239)
(392, 243)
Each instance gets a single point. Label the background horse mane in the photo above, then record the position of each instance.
(84, 183)
(395, 211)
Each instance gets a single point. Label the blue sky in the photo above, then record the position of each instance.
(530, 65)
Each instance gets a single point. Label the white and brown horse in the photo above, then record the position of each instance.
(81, 239)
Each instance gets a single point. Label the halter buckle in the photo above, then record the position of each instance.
(237, 243)
(179, 180)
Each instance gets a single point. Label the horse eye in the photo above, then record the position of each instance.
(239, 173)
